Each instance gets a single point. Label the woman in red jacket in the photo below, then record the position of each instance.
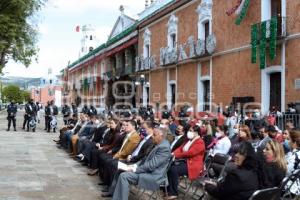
(188, 161)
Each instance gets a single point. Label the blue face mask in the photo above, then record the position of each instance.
(143, 133)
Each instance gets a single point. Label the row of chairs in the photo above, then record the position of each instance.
(215, 170)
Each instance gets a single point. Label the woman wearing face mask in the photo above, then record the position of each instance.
(243, 134)
(241, 182)
(275, 164)
(221, 144)
(188, 161)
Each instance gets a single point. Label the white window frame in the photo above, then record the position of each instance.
(172, 29)
(147, 43)
(204, 11)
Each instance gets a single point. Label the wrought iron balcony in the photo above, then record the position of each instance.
(145, 63)
(276, 25)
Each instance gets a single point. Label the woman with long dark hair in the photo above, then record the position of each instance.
(240, 183)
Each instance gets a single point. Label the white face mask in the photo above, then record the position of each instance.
(218, 134)
(97, 122)
(235, 130)
(190, 135)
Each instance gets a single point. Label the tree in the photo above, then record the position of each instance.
(18, 34)
(25, 95)
(12, 92)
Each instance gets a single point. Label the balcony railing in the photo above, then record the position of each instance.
(145, 63)
(280, 27)
(190, 50)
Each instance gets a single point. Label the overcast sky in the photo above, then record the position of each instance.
(58, 40)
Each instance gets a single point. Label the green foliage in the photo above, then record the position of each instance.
(12, 92)
(26, 95)
(18, 34)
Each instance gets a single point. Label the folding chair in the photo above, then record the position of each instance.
(290, 186)
(188, 185)
(164, 184)
(269, 193)
(215, 171)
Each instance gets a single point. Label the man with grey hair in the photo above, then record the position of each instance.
(148, 173)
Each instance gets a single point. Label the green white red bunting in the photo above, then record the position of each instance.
(240, 9)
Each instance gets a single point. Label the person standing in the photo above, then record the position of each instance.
(38, 107)
(53, 111)
(66, 111)
(26, 115)
(30, 110)
(47, 114)
(11, 115)
(74, 109)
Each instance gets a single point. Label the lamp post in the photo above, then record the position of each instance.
(140, 81)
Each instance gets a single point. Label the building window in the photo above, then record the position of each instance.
(206, 93)
(147, 51)
(147, 42)
(275, 90)
(172, 31)
(173, 40)
(91, 37)
(276, 8)
(206, 28)
(203, 30)
(173, 94)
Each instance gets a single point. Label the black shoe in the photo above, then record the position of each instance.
(27, 130)
(106, 195)
(7, 129)
(15, 129)
(102, 184)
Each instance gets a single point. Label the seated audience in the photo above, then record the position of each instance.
(180, 138)
(275, 166)
(221, 144)
(188, 161)
(241, 182)
(149, 173)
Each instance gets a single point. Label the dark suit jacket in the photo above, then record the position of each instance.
(145, 149)
(116, 145)
(98, 133)
(180, 142)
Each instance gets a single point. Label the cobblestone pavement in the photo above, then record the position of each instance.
(32, 167)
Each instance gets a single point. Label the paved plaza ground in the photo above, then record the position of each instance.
(32, 167)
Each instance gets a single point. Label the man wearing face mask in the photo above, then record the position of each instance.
(180, 138)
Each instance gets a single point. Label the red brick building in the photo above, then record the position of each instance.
(201, 55)
(192, 51)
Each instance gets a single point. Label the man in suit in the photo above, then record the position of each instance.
(140, 152)
(131, 141)
(144, 146)
(180, 138)
(149, 173)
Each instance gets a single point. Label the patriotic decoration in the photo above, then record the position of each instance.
(240, 9)
(261, 35)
